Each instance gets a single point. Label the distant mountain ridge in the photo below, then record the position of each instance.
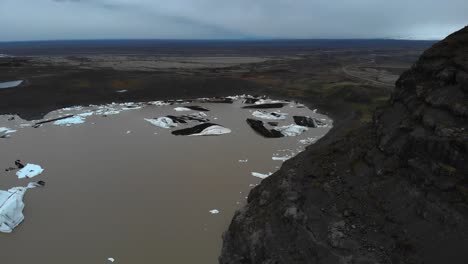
(193, 47)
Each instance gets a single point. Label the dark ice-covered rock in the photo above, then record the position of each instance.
(251, 100)
(265, 106)
(308, 121)
(259, 127)
(305, 121)
(197, 108)
(220, 100)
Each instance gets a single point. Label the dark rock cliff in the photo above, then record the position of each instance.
(393, 191)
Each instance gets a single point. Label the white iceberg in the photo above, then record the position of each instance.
(29, 171)
(182, 109)
(163, 122)
(6, 130)
(111, 259)
(269, 101)
(121, 91)
(11, 207)
(261, 175)
(86, 114)
(270, 115)
(213, 131)
(70, 121)
(10, 84)
(244, 161)
(285, 158)
(308, 141)
(214, 211)
(291, 130)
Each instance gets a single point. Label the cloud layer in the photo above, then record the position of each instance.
(219, 19)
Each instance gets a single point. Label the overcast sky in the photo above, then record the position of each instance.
(227, 19)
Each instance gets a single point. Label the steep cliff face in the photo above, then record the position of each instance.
(394, 191)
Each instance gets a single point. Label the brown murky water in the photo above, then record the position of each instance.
(120, 187)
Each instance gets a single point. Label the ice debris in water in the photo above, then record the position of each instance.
(308, 141)
(291, 130)
(29, 171)
(70, 121)
(121, 91)
(86, 114)
(261, 175)
(163, 122)
(10, 84)
(214, 211)
(6, 130)
(182, 109)
(111, 259)
(213, 131)
(244, 161)
(11, 207)
(269, 115)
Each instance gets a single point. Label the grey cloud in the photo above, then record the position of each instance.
(65, 19)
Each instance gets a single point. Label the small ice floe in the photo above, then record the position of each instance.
(121, 91)
(5, 130)
(213, 131)
(269, 101)
(308, 141)
(12, 84)
(291, 130)
(86, 114)
(270, 115)
(285, 158)
(111, 259)
(128, 132)
(11, 207)
(74, 120)
(29, 171)
(182, 109)
(158, 103)
(261, 175)
(214, 211)
(244, 161)
(163, 122)
(206, 129)
(72, 108)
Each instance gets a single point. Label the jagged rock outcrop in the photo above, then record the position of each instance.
(393, 191)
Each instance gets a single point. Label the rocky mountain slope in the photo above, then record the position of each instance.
(392, 191)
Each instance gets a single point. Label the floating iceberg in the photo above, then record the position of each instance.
(163, 122)
(261, 175)
(11, 207)
(291, 130)
(182, 109)
(214, 211)
(206, 129)
(86, 114)
(269, 115)
(111, 259)
(308, 141)
(285, 158)
(29, 171)
(70, 121)
(4, 85)
(6, 130)
(213, 131)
